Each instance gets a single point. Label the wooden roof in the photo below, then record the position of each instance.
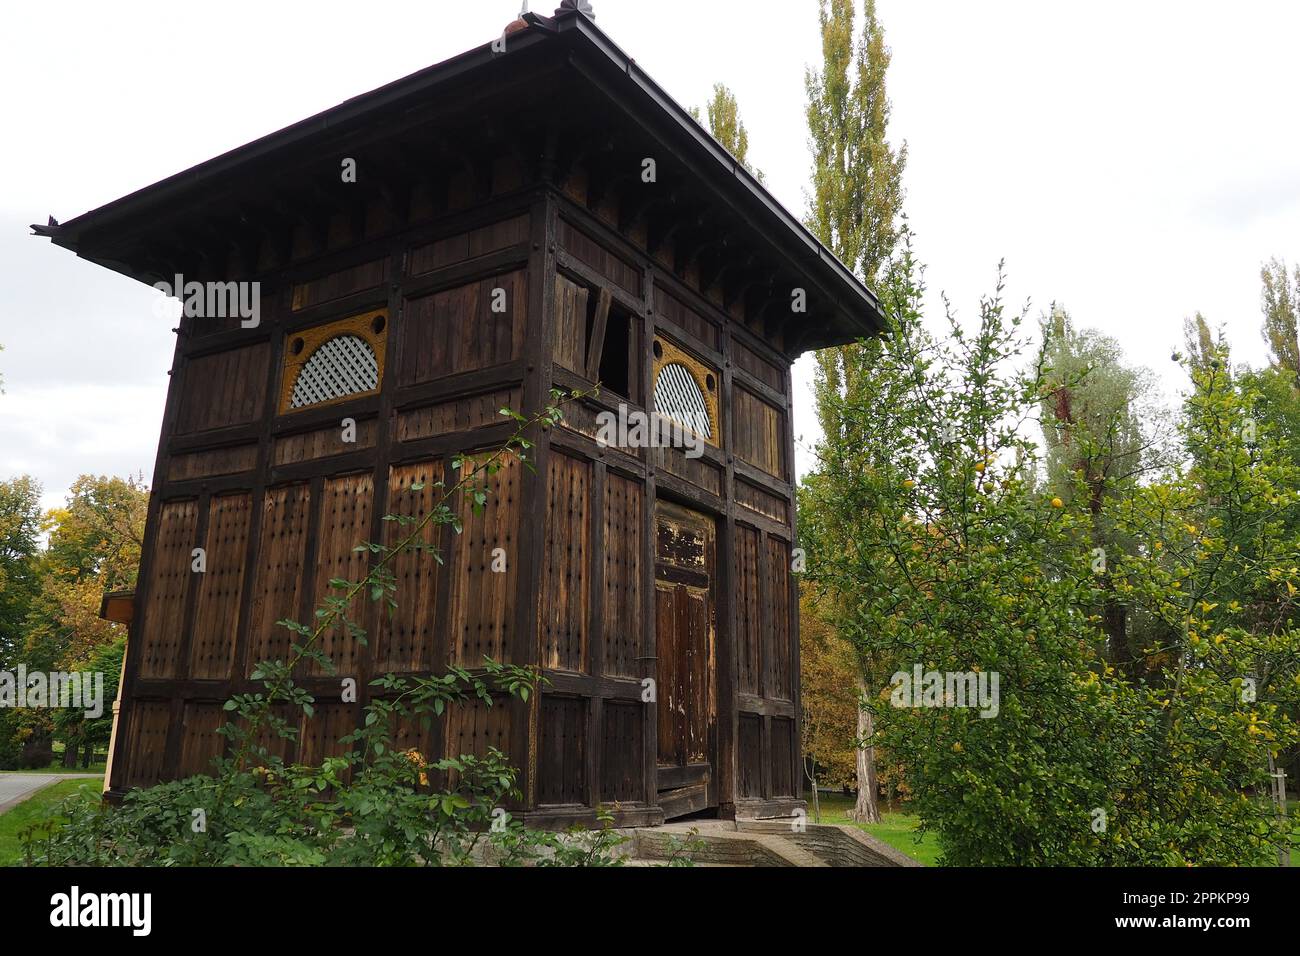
(562, 93)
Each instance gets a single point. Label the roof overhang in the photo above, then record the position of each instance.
(113, 235)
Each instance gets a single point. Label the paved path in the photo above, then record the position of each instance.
(17, 787)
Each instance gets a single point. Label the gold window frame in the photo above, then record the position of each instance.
(361, 325)
(670, 354)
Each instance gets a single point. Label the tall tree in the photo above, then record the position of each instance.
(50, 597)
(1202, 346)
(20, 527)
(1102, 430)
(857, 193)
(854, 209)
(1281, 303)
(723, 115)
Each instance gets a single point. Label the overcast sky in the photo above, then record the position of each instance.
(1136, 161)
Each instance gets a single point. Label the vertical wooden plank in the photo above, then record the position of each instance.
(537, 328)
(596, 636)
(766, 637)
(796, 745)
(728, 727)
(279, 573)
(220, 589)
(649, 591)
(243, 638)
(345, 512)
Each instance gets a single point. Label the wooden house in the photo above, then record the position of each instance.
(533, 213)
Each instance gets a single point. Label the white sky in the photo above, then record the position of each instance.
(1134, 161)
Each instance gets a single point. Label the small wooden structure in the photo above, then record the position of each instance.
(533, 213)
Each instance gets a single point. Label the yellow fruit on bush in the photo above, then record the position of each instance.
(909, 483)
(1058, 503)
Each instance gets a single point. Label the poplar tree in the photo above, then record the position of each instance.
(1281, 303)
(723, 119)
(855, 207)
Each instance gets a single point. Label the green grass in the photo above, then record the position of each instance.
(896, 829)
(59, 768)
(33, 809)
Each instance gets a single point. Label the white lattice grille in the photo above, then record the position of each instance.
(677, 396)
(344, 365)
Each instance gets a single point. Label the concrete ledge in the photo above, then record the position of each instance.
(837, 844)
(719, 846)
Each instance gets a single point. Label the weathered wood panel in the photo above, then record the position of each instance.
(278, 581)
(224, 389)
(482, 600)
(621, 609)
(344, 523)
(603, 261)
(147, 742)
(562, 751)
(406, 637)
(749, 756)
(322, 731)
(336, 285)
(458, 415)
(697, 471)
(777, 592)
(762, 502)
(671, 309)
(456, 330)
(200, 742)
(684, 647)
(569, 347)
(564, 599)
(221, 588)
(468, 245)
(757, 366)
(758, 431)
(170, 579)
(749, 615)
(622, 769)
(474, 727)
(580, 417)
(323, 442)
(210, 464)
(783, 750)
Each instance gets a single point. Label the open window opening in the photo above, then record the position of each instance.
(597, 338)
(612, 354)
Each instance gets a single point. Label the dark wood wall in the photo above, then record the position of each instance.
(745, 484)
(278, 500)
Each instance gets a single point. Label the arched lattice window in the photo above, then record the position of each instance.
(685, 390)
(334, 362)
(344, 365)
(679, 398)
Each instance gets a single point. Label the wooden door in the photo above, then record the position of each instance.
(686, 697)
